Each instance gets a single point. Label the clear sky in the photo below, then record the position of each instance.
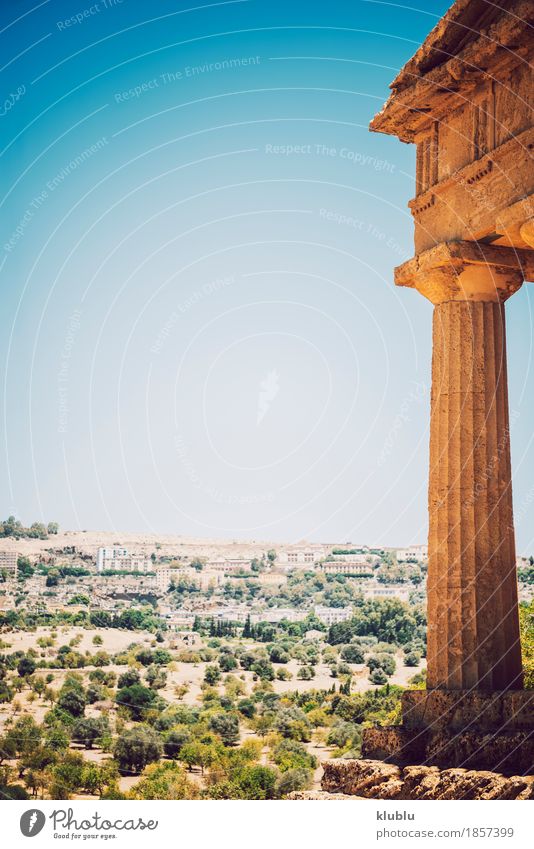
(199, 330)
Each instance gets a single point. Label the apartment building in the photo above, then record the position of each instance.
(227, 566)
(413, 552)
(374, 589)
(119, 559)
(332, 615)
(8, 565)
(300, 555)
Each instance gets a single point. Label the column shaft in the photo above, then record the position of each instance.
(473, 629)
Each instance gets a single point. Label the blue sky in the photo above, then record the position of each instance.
(200, 332)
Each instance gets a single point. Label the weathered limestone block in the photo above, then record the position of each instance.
(320, 796)
(421, 782)
(460, 710)
(503, 752)
(395, 744)
(371, 779)
(376, 780)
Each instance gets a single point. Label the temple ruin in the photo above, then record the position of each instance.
(464, 100)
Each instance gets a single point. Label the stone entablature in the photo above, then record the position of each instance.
(464, 99)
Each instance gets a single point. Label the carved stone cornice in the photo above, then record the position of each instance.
(473, 43)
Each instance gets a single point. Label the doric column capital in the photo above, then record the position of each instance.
(467, 271)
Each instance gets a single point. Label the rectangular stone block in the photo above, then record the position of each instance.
(460, 710)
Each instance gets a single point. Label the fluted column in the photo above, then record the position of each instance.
(473, 630)
(473, 624)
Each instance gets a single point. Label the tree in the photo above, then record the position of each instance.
(271, 555)
(65, 777)
(290, 754)
(165, 781)
(25, 734)
(24, 568)
(199, 754)
(352, 654)
(156, 677)
(88, 729)
(128, 679)
(8, 748)
(412, 658)
(306, 673)
(278, 654)
(136, 699)
(175, 741)
(56, 738)
(13, 791)
(26, 666)
(72, 701)
(38, 531)
(136, 748)
(291, 722)
(226, 725)
(378, 676)
(227, 662)
(212, 674)
(252, 782)
(53, 528)
(39, 686)
(293, 780)
(246, 707)
(383, 661)
(52, 579)
(263, 669)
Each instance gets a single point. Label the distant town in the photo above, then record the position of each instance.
(139, 666)
(212, 577)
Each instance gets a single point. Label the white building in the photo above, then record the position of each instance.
(164, 575)
(119, 559)
(300, 555)
(107, 557)
(277, 614)
(353, 565)
(374, 589)
(414, 552)
(228, 566)
(332, 615)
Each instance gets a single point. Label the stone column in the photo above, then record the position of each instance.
(473, 626)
